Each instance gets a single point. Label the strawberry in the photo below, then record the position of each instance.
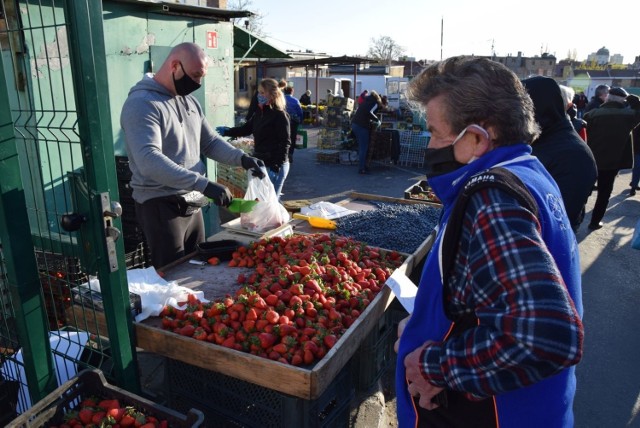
(109, 404)
(116, 413)
(88, 402)
(266, 340)
(330, 340)
(127, 421)
(86, 415)
(98, 417)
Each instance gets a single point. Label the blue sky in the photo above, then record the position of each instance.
(346, 27)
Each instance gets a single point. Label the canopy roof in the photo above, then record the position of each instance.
(172, 8)
(335, 60)
(248, 45)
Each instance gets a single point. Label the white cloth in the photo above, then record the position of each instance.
(155, 292)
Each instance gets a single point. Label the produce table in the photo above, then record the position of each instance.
(307, 382)
(303, 382)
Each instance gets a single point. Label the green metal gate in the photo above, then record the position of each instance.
(59, 222)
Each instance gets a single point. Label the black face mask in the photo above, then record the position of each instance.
(440, 161)
(185, 85)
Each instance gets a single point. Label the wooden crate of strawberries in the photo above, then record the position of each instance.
(301, 308)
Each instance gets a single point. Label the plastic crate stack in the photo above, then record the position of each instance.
(135, 246)
(58, 273)
(329, 145)
(376, 355)
(234, 402)
(381, 148)
(338, 112)
(412, 148)
(235, 177)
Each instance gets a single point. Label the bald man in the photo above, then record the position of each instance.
(165, 133)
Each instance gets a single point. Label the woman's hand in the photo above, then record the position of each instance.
(418, 386)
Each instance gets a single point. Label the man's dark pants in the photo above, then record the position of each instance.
(169, 234)
(605, 181)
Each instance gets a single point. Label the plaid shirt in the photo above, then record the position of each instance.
(527, 326)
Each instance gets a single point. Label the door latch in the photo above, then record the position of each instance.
(110, 210)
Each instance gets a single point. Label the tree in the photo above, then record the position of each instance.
(572, 54)
(384, 48)
(255, 20)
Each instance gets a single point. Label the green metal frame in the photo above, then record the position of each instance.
(22, 270)
(88, 61)
(55, 138)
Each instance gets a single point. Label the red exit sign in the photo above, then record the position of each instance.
(212, 39)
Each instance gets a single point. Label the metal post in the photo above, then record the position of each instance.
(88, 62)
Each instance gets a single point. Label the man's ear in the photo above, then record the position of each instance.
(483, 141)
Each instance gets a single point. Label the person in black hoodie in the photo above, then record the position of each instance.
(609, 130)
(560, 149)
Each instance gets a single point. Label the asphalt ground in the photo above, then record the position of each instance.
(608, 389)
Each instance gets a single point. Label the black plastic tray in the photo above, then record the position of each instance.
(221, 249)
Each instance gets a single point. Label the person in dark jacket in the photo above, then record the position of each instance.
(294, 110)
(580, 125)
(609, 130)
(560, 149)
(362, 96)
(598, 98)
(361, 123)
(271, 134)
(580, 101)
(305, 99)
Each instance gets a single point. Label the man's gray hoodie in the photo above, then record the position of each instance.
(164, 137)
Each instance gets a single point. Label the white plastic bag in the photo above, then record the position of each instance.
(268, 213)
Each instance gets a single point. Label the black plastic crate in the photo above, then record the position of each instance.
(374, 355)
(8, 400)
(232, 402)
(136, 258)
(88, 383)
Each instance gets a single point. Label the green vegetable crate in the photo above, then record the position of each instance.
(89, 383)
(232, 402)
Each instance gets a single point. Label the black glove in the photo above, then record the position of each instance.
(218, 193)
(275, 168)
(253, 164)
(634, 102)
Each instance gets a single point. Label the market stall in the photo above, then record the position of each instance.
(200, 372)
